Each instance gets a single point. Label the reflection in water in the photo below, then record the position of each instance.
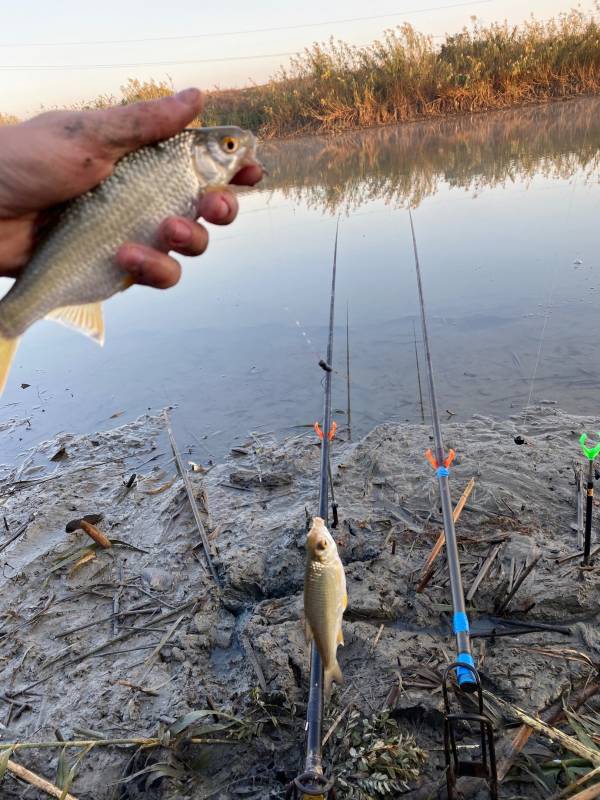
(407, 163)
(507, 217)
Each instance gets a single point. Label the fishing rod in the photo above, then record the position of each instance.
(313, 782)
(441, 463)
(463, 667)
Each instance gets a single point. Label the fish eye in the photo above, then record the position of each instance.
(229, 144)
(321, 544)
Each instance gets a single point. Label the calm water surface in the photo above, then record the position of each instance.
(507, 213)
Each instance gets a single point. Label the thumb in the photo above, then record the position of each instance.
(125, 128)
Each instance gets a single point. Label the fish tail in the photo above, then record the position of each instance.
(333, 673)
(8, 348)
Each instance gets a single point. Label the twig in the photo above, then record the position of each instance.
(40, 783)
(192, 499)
(143, 689)
(569, 743)
(517, 584)
(16, 535)
(145, 609)
(151, 658)
(588, 794)
(376, 640)
(437, 548)
(554, 714)
(100, 647)
(593, 773)
(136, 741)
(573, 556)
(335, 723)
(255, 663)
(485, 568)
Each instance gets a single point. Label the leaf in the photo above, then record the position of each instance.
(580, 731)
(62, 769)
(69, 777)
(185, 722)
(4, 759)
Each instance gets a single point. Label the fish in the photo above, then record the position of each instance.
(74, 269)
(325, 599)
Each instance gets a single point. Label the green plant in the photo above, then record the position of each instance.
(373, 758)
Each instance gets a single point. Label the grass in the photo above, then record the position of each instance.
(404, 76)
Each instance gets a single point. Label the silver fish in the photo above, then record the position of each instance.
(74, 269)
(325, 599)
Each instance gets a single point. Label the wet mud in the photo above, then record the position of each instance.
(124, 642)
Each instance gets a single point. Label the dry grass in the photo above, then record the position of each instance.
(404, 76)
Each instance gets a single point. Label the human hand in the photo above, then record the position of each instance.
(61, 154)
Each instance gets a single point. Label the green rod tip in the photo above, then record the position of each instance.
(589, 452)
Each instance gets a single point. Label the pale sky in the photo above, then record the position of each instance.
(221, 37)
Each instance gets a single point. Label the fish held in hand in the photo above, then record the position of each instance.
(325, 599)
(74, 269)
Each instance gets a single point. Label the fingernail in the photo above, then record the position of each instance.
(180, 234)
(190, 97)
(222, 209)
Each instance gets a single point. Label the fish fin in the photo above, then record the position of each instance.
(340, 636)
(333, 673)
(7, 353)
(308, 631)
(86, 319)
(345, 601)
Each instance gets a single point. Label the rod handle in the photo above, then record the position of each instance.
(466, 676)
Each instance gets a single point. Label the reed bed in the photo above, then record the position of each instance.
(404, 76)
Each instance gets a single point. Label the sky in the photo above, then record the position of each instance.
(50, 52)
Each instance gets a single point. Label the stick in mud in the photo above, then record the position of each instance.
(554, 714)
(517, 584)
(428, 569)
(192, 499)
(40, 783)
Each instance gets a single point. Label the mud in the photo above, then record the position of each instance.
(213, 652)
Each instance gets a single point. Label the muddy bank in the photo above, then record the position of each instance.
(73, 669)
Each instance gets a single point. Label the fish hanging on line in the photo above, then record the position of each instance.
(325, 599)
(74, 268)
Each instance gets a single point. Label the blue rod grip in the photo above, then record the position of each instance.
(460, 622)
(442, 472)
(465, 676)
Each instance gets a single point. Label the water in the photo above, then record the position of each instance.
(507, 215)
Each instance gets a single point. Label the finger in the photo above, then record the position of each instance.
(125, 128)
(218, 207)
(248, 176)
(186, 237)
(149, 267)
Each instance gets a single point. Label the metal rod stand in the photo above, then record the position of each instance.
(485, 766)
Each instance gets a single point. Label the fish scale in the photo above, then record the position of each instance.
(75, 267)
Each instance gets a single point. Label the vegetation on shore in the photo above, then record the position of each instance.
(405, 76)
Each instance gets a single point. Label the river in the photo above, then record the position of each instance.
(507, 214)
